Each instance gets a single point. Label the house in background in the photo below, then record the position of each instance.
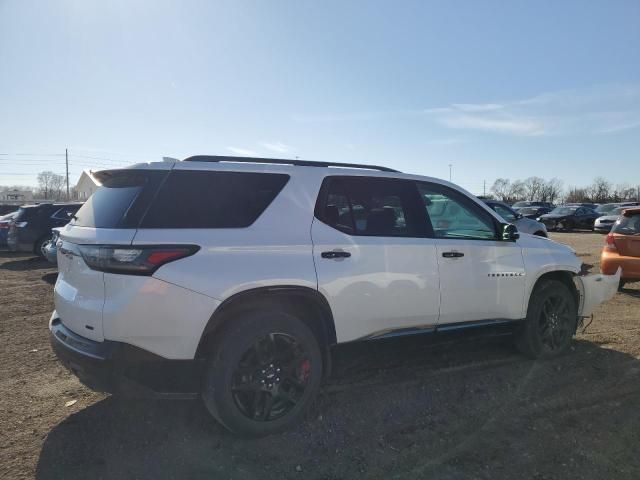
(87, 184)
(15, 195)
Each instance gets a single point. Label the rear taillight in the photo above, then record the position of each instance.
(609, 243)
(142, 260)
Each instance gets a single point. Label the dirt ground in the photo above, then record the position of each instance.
(443, 406)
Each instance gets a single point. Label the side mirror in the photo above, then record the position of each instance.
(509, 233)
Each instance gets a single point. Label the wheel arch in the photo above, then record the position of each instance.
(564, 276)
(314, 307)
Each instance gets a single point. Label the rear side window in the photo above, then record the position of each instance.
(189, 199)
(66, 212)
(120, 201)
(628, 225)
(370, 206)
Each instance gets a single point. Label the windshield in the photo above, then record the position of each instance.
(521, 204)
(528, 210)
(606, 208)
(564, 210)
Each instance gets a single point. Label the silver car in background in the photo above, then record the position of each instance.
(524, 224)
(49, 248)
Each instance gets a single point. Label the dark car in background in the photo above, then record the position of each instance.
(526, 203)
(31, 227)
(5, 221)
(533, 212)
(592, 206)
(569, 217)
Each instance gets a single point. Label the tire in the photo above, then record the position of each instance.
(37, 248)
(542, 335)
(540, 233)
(265, 370)
(621, 284)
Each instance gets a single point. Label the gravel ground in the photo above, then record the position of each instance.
(454, 406)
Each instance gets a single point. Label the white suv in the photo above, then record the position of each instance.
(231, 278)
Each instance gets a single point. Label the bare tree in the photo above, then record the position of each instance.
(533, 187)
(577, 195)
(551, 190)
(600, 190)
(50, 185)
(516, 191)
(501, 189)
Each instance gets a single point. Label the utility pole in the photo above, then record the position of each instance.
(450, 171)
(66, 160)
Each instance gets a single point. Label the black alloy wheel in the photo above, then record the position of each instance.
(554, 323)
(551, 322)
(264, 369)
(271, 377)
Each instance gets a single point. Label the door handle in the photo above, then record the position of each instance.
(335, 254)
(452, 254)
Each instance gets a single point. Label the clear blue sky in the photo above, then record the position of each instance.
(496, 88)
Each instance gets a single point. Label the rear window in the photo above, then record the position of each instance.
(628, 225)
(200, 199)
(118, 202)
(30, 213)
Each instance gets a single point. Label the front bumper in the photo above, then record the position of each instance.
(603, 227)
(119, 368)
(596, 289)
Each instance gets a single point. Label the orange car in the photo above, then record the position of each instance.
(622, 247)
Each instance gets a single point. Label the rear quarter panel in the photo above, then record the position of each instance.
(275, 250)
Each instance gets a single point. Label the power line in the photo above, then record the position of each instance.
(34, 154)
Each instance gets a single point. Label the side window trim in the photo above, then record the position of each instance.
(465, 200)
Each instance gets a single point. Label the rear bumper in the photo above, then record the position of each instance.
(611, 261)
(123, 369)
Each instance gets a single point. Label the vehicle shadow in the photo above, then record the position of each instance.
(50, 278)
(28, 262)
(446, 407)
(632, 292)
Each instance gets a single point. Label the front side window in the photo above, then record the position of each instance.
(369, 206)
(453, 215)
(505, 213)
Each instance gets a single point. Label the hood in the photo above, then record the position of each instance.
(533, 244)
(553, 216)
(610, 218)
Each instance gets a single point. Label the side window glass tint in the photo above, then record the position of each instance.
(370, 206)
(198, 199)
(505, 213)
(453, 215)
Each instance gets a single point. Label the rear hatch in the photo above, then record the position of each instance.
(626, 234)
(110, 217)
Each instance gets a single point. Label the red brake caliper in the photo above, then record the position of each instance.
(305, 371)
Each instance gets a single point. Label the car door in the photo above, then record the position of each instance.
(482, 277)
(374, 263)
(583, 218)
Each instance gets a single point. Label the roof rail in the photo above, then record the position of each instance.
(278, 161)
